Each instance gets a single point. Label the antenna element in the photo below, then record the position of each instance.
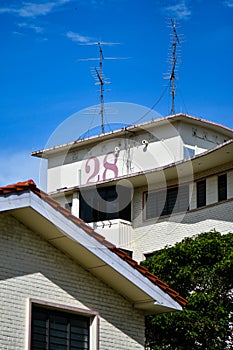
(175, 45)
(98, 73)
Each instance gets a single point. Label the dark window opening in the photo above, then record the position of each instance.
(167, 201)
(68, 206)
(106, 203)
(149, 256)
(128, 252)
(222, 187)
(53, 329)
(201, 193)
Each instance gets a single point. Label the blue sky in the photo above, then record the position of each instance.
(43, 82)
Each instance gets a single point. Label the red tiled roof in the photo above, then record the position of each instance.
(30, 185)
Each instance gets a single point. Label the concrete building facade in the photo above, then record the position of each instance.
(148, 185)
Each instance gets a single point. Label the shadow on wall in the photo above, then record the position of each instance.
(222, 212)
(34, 268)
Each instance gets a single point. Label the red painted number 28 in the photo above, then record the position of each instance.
(92, 167)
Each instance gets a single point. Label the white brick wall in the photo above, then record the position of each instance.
(154, 234)
(32, 268)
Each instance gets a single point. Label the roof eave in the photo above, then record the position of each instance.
(186, 168)
(87, 251)
(45, 153)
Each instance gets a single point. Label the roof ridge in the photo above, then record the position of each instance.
(168, 118)
(30, 185)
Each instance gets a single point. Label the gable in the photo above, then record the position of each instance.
(72, 236)
(32, 268)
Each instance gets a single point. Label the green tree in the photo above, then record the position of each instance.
(201, 270)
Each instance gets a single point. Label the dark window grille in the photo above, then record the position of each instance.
(167, 201)
(93, 209)
(222, 187)
(57, 330)
(201, 193)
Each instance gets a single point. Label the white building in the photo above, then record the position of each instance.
(148, 185)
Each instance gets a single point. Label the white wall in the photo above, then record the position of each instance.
(116, 157)
(201, 137)
(32, 268)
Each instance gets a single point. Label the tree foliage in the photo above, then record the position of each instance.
(201, 270)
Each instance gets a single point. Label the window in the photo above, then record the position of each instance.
(167, 201)
(149, 256)
(57, 330)
(222, 187)
(201, 193)
(128, 252)
(188, 152)
(68, 206)
(105, 204)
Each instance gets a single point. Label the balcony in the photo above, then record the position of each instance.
(117, 231)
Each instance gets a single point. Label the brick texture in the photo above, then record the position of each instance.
(32, 268)
(154, 234)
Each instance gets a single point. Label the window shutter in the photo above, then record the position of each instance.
(222, 187)
(167, 202)
(57, 330)
(201, 193)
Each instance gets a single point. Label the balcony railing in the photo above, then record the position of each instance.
(117, 231)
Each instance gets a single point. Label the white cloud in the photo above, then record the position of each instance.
(32, 10)
(179, 10)
(37, 29)
(18, 33)
(78, 38)
(228, 3)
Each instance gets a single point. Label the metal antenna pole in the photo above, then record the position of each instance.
(174, 60)
(98, 73)
(175, 41)
(173, 77)
(101, 80)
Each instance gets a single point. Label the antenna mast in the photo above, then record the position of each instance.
(175, 43)
(101, 82)
(98, 73)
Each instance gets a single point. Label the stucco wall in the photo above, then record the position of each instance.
(101, 161)
(202, 137)
(32, 268)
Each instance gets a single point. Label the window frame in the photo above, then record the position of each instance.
(167, 194)
(92, 315)
(189, 151)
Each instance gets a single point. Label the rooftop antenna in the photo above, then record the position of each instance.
(175, 46)
(98, 73)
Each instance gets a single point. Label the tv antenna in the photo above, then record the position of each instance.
(174, 60)
(98, 73)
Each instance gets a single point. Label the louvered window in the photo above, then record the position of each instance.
(167, 201)
(57, 330)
